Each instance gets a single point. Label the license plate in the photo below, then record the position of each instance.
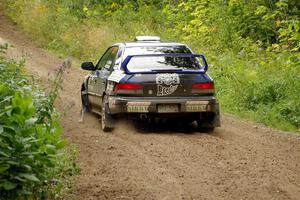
(138, 107)
(167, 108)
(196, 108)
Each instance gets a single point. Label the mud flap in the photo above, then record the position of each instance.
(211, 121)
(110, 120)
(85, 101)
(85, 108)
(216, 122)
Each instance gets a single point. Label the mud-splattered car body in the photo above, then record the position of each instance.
(150, 79)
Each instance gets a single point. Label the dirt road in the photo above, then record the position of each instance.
(241, 160)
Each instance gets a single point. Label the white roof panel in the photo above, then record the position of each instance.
(147, 38)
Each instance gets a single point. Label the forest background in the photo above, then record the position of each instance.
(252, 46)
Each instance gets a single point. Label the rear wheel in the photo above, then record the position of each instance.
(205, 122)
(205, 127)
(107, 120)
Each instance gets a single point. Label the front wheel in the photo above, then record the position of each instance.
(107, 121)
(85, 100)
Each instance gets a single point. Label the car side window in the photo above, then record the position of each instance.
(118, 57)
(108, 59)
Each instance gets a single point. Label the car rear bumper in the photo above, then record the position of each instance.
(154, 105)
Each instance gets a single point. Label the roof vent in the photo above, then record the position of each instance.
(147, 38)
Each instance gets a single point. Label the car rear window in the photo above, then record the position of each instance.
(149, 63)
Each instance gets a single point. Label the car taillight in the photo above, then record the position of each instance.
(129, 88)
(203, 86)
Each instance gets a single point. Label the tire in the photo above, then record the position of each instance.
(107, 120)
(204, 126)
(85, 101)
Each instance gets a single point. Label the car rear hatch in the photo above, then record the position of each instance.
(166, 85)
(166, 75)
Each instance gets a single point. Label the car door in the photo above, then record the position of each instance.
(97, 80)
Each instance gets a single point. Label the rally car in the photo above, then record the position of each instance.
(150, 79)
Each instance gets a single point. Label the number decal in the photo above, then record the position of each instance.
(167, 84)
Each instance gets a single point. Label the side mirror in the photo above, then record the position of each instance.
(88, 66)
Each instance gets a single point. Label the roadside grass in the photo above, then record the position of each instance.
(265, 89)
(253, 81)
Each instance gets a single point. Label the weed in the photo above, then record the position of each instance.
(33, 157)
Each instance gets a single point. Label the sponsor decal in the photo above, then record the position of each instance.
(138, 107)
(167, 84)
(116, 76)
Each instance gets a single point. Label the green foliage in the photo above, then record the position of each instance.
(253, 46)
(223, 24)
(32, 153)
(265, 89)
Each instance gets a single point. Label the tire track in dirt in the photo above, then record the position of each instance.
(241, 160)
(151, 160)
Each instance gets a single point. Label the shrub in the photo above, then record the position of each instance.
(32, 154)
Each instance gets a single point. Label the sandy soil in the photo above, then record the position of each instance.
(241, 160)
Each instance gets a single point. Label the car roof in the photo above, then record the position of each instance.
(149, 44)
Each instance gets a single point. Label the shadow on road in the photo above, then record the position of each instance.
(159, 127)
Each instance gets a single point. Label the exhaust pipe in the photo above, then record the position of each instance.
(143, 117)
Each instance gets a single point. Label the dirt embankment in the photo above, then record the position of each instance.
(239, 161)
